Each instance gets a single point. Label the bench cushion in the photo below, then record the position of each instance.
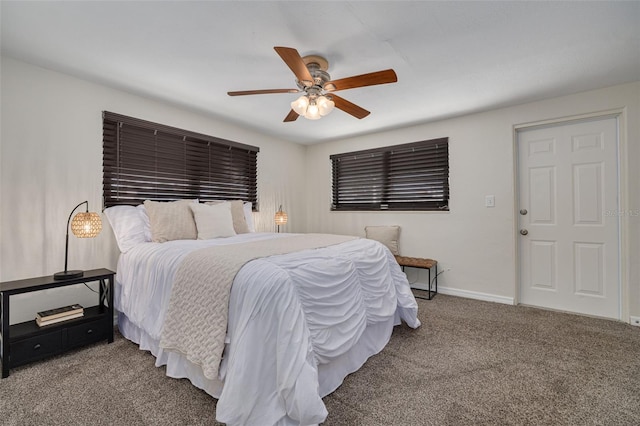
(415, 262)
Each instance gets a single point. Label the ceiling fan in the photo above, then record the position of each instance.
(318, 89)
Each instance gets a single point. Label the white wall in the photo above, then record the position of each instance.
(475, 244)
(51, 160)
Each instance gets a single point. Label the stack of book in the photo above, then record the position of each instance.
(56, 315)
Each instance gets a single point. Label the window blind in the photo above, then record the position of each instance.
(149, 161)
(413, 176)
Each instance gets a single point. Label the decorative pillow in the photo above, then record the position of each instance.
(237, 213)
(145, 219)
(127, 225)
(248, 216)
(171, 220)
(387, 235)
(213, 220)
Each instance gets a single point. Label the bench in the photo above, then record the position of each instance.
(422, 263)
(388, 235)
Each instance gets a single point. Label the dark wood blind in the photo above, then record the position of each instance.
(149, 161)
(413, 176)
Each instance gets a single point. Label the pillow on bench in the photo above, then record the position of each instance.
(387, 235)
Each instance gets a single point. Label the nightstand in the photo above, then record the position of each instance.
(26, 342)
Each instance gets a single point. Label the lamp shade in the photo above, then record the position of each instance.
(300, 105)
(325, 105)
(281, 218)
(86, 224)
(313, 112)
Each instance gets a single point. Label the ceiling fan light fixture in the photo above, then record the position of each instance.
(300, 105)
(311, 107)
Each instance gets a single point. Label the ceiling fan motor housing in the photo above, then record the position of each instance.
(317, 68)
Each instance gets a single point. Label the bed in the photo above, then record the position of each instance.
(298, 322)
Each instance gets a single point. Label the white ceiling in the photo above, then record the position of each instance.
(451, 58)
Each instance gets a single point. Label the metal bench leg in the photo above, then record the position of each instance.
(432, 293)
(436, 265)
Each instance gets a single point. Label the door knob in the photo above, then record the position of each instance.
(523, 212)
(524, 231)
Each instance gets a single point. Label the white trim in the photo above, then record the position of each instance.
(597, 115)
(634, 321)
(468, 294)
(450, 291)
(623, 224)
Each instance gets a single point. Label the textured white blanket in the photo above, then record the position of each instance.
(196, 320)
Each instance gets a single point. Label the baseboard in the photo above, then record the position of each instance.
(468, 294)
(476, 295)
(489, 297)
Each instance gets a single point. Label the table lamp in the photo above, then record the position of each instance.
(84, 225)
(281, 217)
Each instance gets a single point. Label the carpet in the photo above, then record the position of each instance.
(471, 363)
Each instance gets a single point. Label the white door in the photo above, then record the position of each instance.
(568, 222)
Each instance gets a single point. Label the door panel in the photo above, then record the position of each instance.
(588, 189)
(568, 248)
(589, 279)
(543, 264)
(542, 185)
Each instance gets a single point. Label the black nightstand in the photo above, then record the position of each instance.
(26, 342)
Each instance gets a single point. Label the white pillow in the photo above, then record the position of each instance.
(237, 213)
(213, 220)
(127, 225)
(171, 220)
(145, 219)
(387, 235)
(248, 216)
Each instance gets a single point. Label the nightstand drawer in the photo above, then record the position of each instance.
(88, 332)
(26, 350)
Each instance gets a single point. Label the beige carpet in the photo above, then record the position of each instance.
(471, 363)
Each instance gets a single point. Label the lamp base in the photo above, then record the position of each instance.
(65, 275)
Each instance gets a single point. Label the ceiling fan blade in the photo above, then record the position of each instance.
(262, 92)
(349, 107)
(294, 61)
(292, 116)
(370, 79)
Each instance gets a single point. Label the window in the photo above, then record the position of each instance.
(148, 161)
(413, 176)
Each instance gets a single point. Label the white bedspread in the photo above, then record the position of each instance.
(298, 323)
(196, 321)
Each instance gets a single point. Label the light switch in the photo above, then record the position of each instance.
(490, 201)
